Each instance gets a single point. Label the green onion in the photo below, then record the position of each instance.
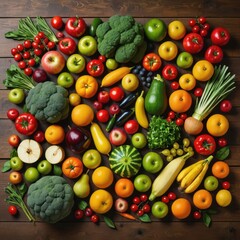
(15, 78)
(216, 89)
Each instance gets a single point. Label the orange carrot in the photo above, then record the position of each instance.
(127, 215)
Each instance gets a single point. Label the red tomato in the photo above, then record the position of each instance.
(39, 136)
(131, 126)
(220, 36)
(57, 22)
(75, 26)
(169, 72)
(12, 210)
(12, 113)
(95, 68)
(205, 144)
(102, 115)
(222, 142)
(67, 45)
(152, 62)
(198, 92)
(214, 54)
(175, 85)
(27, 44)
(14, 140)
(225, 106)
(26, 124)
(72, 167)
(116, 94)
(193, 43)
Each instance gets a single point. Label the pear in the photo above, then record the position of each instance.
(82, 187)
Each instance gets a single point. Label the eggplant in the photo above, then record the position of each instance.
(129, 100)
(124, 117)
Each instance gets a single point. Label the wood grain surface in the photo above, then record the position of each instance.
(226, 223)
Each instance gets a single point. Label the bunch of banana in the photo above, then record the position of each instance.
(191, 177)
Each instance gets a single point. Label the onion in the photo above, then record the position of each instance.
(193, 126)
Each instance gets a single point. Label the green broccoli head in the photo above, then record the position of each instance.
(121, 38)
(48, 102)
(50, 198)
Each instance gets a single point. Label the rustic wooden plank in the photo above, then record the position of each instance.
(107, 8)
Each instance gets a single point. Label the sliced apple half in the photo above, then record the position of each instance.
(55, 154)
(29, 151)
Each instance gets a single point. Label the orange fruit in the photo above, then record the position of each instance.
(223, 197)
(180, 101)
(124, 187)
(74, 99)
(82, 115)
(101, 201)
(202, 199)
(217, 125)
(187, 81)
(220, 169)
(54, 134)
(181, 208)
(102, 177)
(203, 70)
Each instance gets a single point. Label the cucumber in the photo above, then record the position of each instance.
(125, 161)
(156, 98)
(93, 27)
(129, 100)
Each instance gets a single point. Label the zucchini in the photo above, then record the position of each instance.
(124, 117)
(129, 100)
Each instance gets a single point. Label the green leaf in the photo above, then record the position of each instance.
(82, 205)
(109, 222)
(207, 219)
(13, 153)
(22, 189)
(145, 218)
(6, 166)
(223, 153)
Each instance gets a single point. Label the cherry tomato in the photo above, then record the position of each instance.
(146, 208)
(198, 92)
(175, 85)
(206, 26)
(28, 71)
(197, 215)
(131, 126)
(39, 136)
(20, 47)
(57, 22)
(144, 197)
(140, 212)
(152, 62)
(226, 185)
(134, 207)
(102, 115)
(41, 35)
(172, 196)
(60, 35)
(27, 44)
(34, 45)
(195, 29)
(12, 210)
(192, 22)
(31, 62)
(79, 214)
(116, 94)
(183, 116)
(171, 114)
(95, 218)
(169, 72)
(14, 140)
(102, 58)
(202, 20)
(97, 105)
(17, 57)
(88, 212)
(22, 64)
(14, 51)
(37, 39)
(12, 113)
(225, 106)
(222, 142)
(165, 199)
(203, 32)
(38, 51)
(51, 45)
(136, 200)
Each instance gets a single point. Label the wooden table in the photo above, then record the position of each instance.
(226, 223)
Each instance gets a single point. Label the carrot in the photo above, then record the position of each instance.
(127, 215)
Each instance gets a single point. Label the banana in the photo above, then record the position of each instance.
(140, 111)
(197, 181)
(189, 178)
(186, 170)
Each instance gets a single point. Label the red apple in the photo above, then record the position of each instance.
(53, 62)
(117, 136)
(121, 205)
(114, 109)
(103, 97)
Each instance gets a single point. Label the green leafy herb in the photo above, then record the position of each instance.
(109, 222)
(207, 219)
(13, 153)
(6, 166)
(145, 218)
(82, 205)
(223, 153)
(161, 133)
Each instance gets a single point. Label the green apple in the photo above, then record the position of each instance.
(87, 45)
(111, 64)
(65, 79)
(211, 183)
(152, 162)
(76, 63)
(142, 183)
(159, 209)
(91, 159)
(184, 60)
(16, 96)
(31, 175)
(16, 163)
(139, 140)
(44, 167)
(155, 29)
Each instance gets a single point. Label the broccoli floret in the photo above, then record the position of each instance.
(50, 198)
(120, 37)
(48, 102)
